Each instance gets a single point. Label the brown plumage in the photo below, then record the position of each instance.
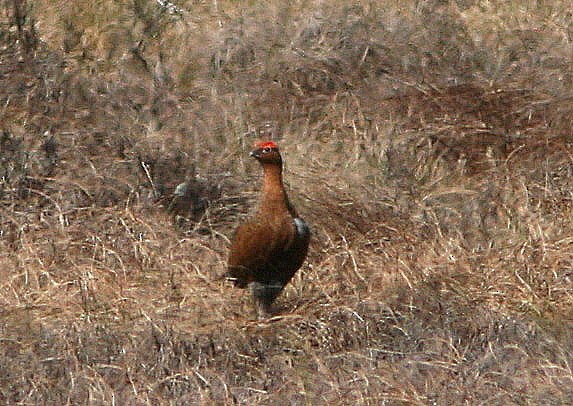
(268, 249)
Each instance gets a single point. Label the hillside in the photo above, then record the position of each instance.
(427, 143)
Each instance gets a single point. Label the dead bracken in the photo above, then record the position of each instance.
(427, 144)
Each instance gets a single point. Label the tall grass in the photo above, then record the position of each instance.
(426, 142)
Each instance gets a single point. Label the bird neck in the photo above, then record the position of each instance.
(274, 197)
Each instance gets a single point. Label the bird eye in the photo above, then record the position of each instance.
(266, 150)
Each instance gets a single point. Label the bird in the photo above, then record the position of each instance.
(268, 249)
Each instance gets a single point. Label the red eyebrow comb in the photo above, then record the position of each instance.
(266, 144)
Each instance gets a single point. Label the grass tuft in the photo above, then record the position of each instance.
(426, 143)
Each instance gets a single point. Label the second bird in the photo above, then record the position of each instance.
(268, 249)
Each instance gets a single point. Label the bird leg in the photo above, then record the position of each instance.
(264, 294)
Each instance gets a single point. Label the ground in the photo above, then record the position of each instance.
(427, 143)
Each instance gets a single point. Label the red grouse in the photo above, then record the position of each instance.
(268, 249)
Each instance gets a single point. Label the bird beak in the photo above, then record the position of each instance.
(256, 153)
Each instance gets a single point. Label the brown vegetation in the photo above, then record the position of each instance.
(430, 145)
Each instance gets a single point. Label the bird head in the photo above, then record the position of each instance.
(267, 152)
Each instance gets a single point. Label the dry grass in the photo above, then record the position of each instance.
(428, 143)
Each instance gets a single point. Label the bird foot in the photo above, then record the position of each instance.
(264, 295)
(263, 313)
